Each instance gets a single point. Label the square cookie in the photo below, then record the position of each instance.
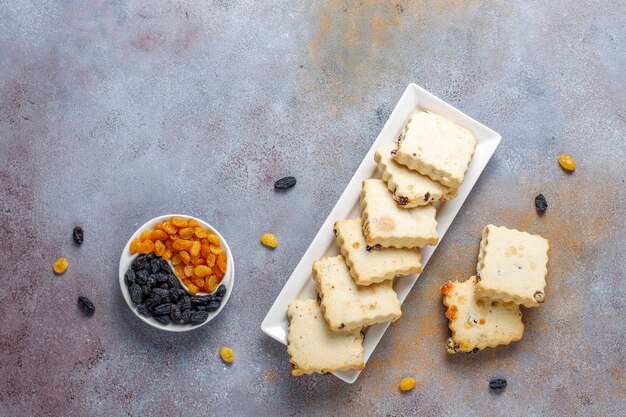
(409, 188)
(313, 347)
(435, 146)
(478, 323)
(367, 265)
(512, 266)
(387, 225)
(347, 306)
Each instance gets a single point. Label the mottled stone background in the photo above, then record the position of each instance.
(114, 112)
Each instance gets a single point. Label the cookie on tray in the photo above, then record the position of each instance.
(347, 306)
(313, 347)
(370, 265)
(387, 225)
(409, 188)
(478, 323)
(435, 146)
(512, 266)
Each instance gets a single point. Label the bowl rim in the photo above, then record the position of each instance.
(126, 260)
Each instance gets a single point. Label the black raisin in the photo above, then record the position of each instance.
(142, 277)
(186, 316)
(143, 310)
(172, 281)
(213, 305)
(152, 301)
(136, 293)
(199, 308)
(497, 384)
(151, 281)
(221, 291)
(175, 313)
(185, 303)
(174, 295)
(129, 277)
(150, 256)
(161, 278)
(402, 201)
(146, 290)
(163, 319)
(155, 266)
(540, 203)
(285, 183)
(162, 309)
(162, 292)
(198, 317)
(78, 235)
(197, 300)
(86, 306)
(140, 262)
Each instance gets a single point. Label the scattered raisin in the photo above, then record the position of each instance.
(567, 162)
(540, 203)
(86, 306)
(285, 183)
(270, 240)
(60, 265)
(407, 384)
(227, 354)
(497, 384)
(78, 235)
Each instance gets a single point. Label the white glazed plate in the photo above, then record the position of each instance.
(300, 284)
(127, 259)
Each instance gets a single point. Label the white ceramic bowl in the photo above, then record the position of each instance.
(127, 259)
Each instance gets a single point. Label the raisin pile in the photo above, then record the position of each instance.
(158, 294)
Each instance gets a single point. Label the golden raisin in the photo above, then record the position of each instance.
(193, 289)
(159, 235)
(216, 249)
(134, 246)
(195, 248)
(407, 384)
(269, 240)
(204, 250)
(227, 354)
(159, 248)
(146, 235)
(179, 270)
(167, 254)
(210, 260)
(212, 283)
(213, 239)
(181, 244)
(221, 262)
(198, 261)
(567, 162)
(169, 228)
(202, 271)
(186, 233)
(192, 223)
(184, 256)
(200, 232)
(176, 259)
(189, 270)
(179, 221)
(60, 265)
(146, 246)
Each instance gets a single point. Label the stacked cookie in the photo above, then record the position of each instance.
(484, 310)
(355, 289)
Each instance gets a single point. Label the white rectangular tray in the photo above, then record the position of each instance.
(300, 284)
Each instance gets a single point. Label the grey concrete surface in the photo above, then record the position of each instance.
(114, 112)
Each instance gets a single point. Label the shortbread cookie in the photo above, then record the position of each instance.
(478, 323)
(348, 306)
(512, 266)
(409, 188)
(369, 265)
(387, 225)
(313, 347)
(435, 146)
